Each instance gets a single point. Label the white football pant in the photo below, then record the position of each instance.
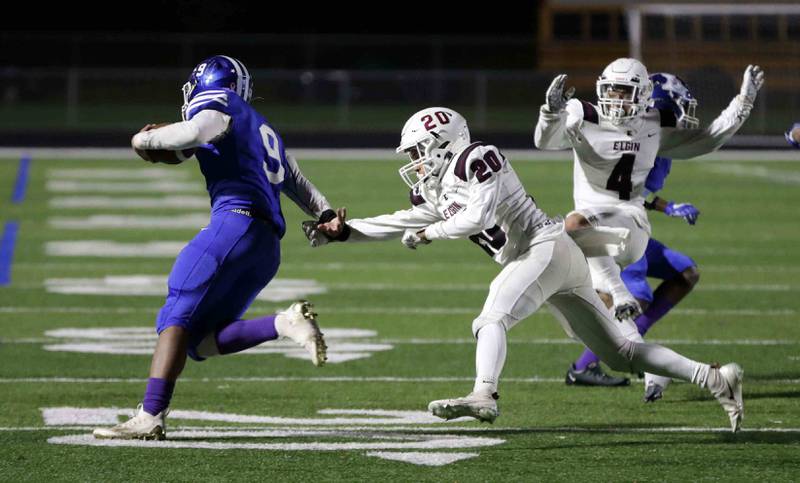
(555, 272)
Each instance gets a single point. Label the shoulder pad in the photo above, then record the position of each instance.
(415, 198)
(216, 99)
(462, 162)
(668, 118)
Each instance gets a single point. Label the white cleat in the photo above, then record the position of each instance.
(730, 394)
(142, 425)
(299, 323)
(481, 406)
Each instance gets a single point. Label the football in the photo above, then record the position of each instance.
(166, 156)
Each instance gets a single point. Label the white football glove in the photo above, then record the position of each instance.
(411, 239)
(556, 99)
(752, 81)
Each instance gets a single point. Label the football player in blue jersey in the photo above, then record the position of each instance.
(678, 272)
(219, 273)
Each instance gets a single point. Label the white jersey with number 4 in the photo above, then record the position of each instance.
(479, 197)
(612, 162)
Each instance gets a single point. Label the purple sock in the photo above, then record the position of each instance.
(157, 395)
(585, 359)
(244, 334)
(653, 314)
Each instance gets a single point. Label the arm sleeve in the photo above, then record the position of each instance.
(387, 227)
(688, 143)
(207, 126)
(302, 191)
(551, 128)
(479, 213)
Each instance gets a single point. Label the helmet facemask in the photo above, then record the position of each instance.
(619, 101)
(427, 159)
(187, 90)
(687, 118)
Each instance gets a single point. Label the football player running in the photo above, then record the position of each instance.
(615, 145)
(678, 271)
(465, 189)
(219, 273)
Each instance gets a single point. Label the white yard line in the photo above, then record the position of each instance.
(157, 281)
(78, 310)
(399, 265)
(787, 267)
(117, 173)
(455, 426)
(109, 248)
(159, 186)
(116, 203)
(759, 172)
(470, 341)
(130, 222)
(377, 311)
(331, 379)
(387, 154)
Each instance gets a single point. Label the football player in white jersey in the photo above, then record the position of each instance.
(464, 189)
(615, 145)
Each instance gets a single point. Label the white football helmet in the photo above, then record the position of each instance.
(430, 138)
(623, 90)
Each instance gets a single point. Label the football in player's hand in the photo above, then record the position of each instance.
(166, 156)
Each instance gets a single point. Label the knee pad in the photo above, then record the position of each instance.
(505, 320)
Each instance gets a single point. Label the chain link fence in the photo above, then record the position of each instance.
(334, 100)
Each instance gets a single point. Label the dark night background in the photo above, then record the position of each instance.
(301, 35)
(427, 18)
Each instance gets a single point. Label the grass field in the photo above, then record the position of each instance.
(403, 338)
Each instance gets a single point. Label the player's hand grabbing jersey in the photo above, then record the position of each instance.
(479, 196)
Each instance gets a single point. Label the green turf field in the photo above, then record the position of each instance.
(402, 338)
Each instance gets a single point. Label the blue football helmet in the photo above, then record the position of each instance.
(218, 72)
(671, 93)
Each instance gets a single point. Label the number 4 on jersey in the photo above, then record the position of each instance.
(620, 179)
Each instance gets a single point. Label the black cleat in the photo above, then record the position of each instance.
(593, 375)
(653, 393)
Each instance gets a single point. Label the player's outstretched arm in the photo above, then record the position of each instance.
(303, 193)
(205, 127)
(689, 143)
(379, 228)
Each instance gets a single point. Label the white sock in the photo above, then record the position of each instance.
(659, 360)
(490, 355)
(710, 378)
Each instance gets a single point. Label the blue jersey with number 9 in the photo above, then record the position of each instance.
(245, 168)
